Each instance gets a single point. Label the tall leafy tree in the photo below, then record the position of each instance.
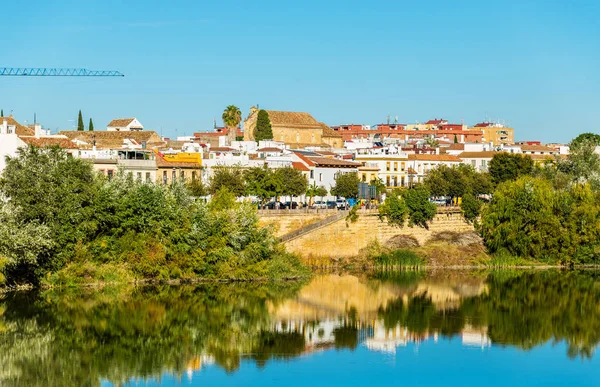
(232, 116)
(80, 126)
(583, 163)
(346, 185)
(585, 137)
(262, 182)
(57, 191)
(420, 210)
(263, 129)
(293, 182)
(91, 126)
(509, 167)
(2, 113)
(230, 178)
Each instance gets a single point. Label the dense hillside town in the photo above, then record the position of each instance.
(394, 154)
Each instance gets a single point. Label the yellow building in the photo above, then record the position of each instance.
(496, 133)
(182, 167)
(296, 129)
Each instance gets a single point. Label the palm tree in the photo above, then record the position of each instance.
(232, 116)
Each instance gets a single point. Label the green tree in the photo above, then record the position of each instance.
(509, 167)
(455, 139)
(231, 178)
(293, 182)
(262, 182)
(321, 192)
(196, 188)
(471, 207)
(232, 116)
(80, 126)
(91, 126)
(263, 129)
(346, 185)
(583, 163)
(420, 210)
(57, 191)
(585, 137)
(394, 209)
(311, 192)
(2, 113)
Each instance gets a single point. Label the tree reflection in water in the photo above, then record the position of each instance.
(115, 334)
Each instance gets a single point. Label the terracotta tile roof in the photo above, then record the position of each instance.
(120, 122)
(327, 162)
(435, 122)
(456, 147)
(429, 157)
(536, 148)
(269, 149)
(106, 139)
(300, 166)
(477, 155)
(305, 159)
(20, 130)
(329, 132)
(43, 142)
(292, 119)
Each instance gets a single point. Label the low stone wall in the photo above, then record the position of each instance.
(341, 239)
(285, 222)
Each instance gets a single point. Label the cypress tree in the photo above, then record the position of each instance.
(2, 113)
(455, 139)
(80, 126)
(263, 129)
(91, 126)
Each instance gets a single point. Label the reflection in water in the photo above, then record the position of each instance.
(117, 334)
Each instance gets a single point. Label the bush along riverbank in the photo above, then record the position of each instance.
(63, 224)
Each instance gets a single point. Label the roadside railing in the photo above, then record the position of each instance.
(313, 226)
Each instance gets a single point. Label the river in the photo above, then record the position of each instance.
(407, 328)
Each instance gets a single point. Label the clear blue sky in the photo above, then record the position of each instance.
(534, 64)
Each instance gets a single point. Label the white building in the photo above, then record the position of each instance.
(124, 125)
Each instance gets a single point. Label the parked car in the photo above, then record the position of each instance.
(319, 204)
(292, 205)
(331, 205)
(341, 204)
(275, 206)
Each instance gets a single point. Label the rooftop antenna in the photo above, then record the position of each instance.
(396, 120)
(34, 119)
(388, 119)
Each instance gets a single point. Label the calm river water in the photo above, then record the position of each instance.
(412, 328)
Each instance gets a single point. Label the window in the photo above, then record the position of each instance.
(147, 177)
(193, 175)
(312, 174)
(174, 176)
(164, 177)
(139, 176)
(403, 166)
(320, 177)
(182, 175)
(395, 167)
(387, 181)
(474, 163)
(110, 174)
(387, 166)
(364, 177)
(402, 181)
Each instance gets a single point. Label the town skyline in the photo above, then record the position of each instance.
(530, 64)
